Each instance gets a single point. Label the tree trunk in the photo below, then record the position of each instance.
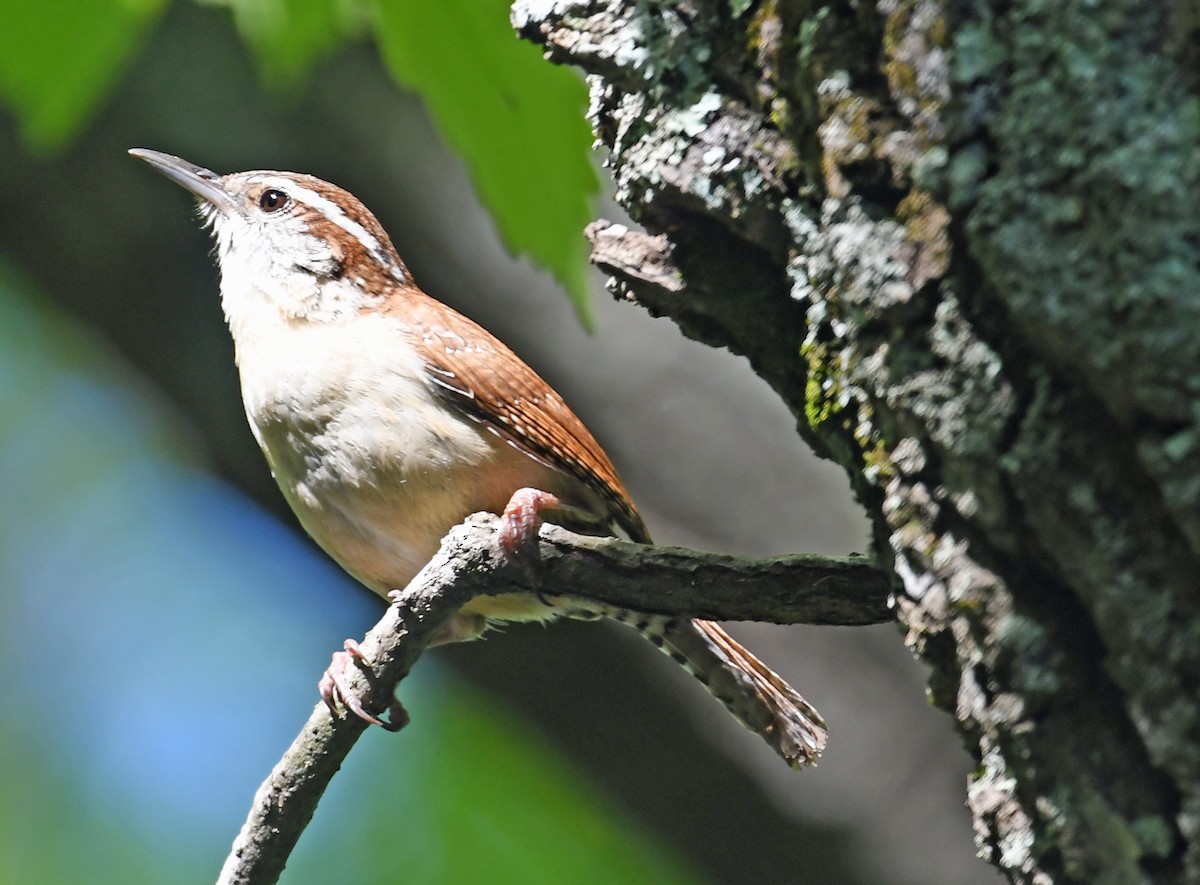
(960, 240)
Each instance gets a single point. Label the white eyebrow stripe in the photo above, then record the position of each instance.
(332, 211)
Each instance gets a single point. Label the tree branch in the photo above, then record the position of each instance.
(669, 580)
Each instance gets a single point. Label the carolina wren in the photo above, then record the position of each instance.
(387, 418)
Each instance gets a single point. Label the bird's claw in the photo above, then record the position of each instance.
(333, 688)
(522, 518)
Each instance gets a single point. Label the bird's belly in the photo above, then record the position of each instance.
(384, 534)
(376, 468)
(383, 516)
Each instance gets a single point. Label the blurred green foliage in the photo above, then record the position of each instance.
(476, 798)
(290, 36)
(516, 120)
(60, 58)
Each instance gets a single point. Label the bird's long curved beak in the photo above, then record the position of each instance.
(204, 183)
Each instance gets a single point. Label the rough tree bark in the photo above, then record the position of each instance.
(960, 239)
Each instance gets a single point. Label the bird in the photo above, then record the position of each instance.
(387, 418)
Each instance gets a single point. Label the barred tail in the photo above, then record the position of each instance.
(755, 695)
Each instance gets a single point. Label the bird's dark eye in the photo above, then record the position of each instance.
(272, 200)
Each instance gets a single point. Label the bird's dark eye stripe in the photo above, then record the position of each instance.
(272, 200)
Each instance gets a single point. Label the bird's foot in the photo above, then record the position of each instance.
(334, 688)
(522, 518)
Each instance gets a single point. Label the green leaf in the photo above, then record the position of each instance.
(516, 119)
(60, 58)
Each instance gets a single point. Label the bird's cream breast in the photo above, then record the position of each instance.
(375, 466)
